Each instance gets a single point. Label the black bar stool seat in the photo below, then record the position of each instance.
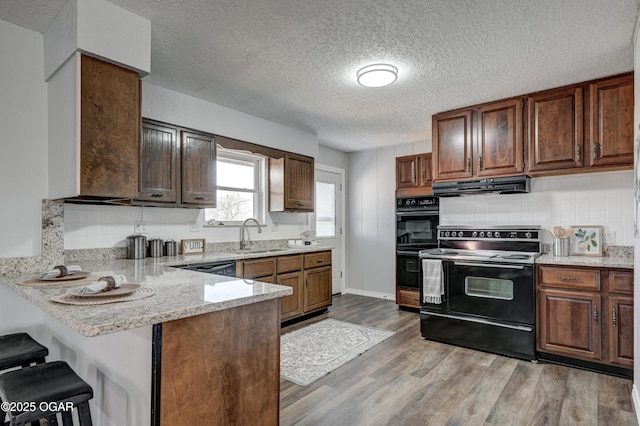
(52, 382)
(20, 350)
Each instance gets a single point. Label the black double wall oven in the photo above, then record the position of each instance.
(416, 229)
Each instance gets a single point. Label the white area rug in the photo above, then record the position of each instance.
(316, 350)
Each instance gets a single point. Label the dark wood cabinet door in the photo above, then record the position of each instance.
(610, 137)
(621, 330)
(569, 323)
(198, 169)
(452, 145)
(555, 126)
(159, 163)
(499, 143)
(425, 170)
(317, 292)
(299, 183)
(291, 305)
(407, 171)
(109, 126)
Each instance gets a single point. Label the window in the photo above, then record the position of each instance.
(240, 188)
(325, 209)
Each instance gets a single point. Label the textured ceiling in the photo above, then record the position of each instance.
(294, 61)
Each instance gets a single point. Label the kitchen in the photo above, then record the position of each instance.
(370, 219)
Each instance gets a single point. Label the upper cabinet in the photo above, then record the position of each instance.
(159, 163)
(94, 123)
(610, 130)
(555, 129)
(291, 183)
(177, 167)
(584, 127)
(452, 145)
(479, 142)
(499, 143)
(414, 175)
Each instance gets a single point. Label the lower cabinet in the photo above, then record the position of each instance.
(586, 314)
(309, 275)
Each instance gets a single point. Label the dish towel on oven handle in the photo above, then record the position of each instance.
(432, 281)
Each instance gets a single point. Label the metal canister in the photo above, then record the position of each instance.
(155, 247)
(136, 246)
(170, 248)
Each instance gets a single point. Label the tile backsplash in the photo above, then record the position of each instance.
(585, 199)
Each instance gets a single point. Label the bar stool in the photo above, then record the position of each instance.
(51, 388)
(20, 350)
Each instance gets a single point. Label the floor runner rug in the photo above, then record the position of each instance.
(316, 350)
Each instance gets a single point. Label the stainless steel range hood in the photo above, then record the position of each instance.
(501, 185)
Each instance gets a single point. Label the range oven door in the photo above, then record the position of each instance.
(416, 229)
(503, 292)
(435, 307)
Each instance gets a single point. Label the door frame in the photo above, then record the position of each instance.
(341, 172)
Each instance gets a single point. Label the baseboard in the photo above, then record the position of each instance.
(368, 293)
(636, 402)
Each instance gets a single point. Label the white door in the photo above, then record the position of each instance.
(329, 218)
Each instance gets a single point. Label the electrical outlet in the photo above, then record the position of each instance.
(140, 227)
(194, 226)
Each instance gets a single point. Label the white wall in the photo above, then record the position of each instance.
(585, 199)
(331, 157)
(371, 218)
(636, 203)
(23, 149)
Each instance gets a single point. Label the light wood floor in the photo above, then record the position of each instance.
(409, 381)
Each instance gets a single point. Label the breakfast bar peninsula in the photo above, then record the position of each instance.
(201, 349)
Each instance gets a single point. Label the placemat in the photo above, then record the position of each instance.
(67, 299)
(34, 281)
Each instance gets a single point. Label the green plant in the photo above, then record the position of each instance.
(586, 240)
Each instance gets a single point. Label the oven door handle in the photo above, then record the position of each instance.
(489, 265)
(418, 213)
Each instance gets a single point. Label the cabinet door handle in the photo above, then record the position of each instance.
(201, 198)
(595, 314)
(568, 278)
(596, 150)
(300, 204)
(156, 195)
(614, 318)
(307, 282)
(480, 162)
(468, 163)
(578, 153)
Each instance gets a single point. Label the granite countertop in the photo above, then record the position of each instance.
(624, 262)
(179, 293)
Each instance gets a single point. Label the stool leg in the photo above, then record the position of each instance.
(84, 415)
(67, 420)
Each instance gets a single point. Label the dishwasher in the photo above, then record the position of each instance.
(226, 268)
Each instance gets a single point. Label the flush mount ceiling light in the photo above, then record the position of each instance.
(377, 75)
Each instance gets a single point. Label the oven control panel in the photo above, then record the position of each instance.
(488, 233)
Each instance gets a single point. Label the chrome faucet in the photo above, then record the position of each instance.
(243, 243)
